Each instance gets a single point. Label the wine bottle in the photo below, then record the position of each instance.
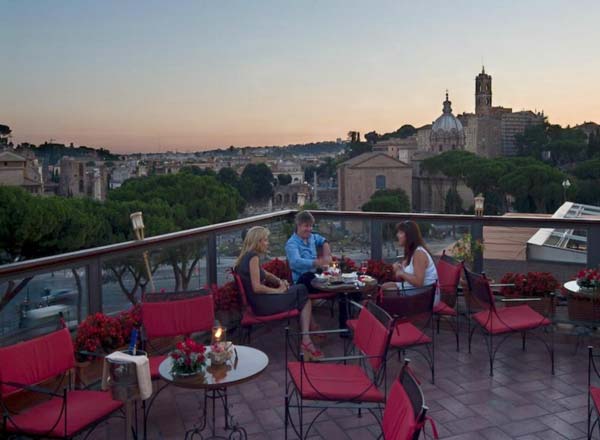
(133, 342)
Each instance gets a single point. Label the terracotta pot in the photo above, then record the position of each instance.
(584, 308)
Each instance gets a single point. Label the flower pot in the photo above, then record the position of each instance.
(584, 307)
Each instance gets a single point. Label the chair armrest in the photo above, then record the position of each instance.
(492, 285)
(32, 388)
(320, 332)
(343, 358)
(507, 300)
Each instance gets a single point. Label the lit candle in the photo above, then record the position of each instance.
(218, 334)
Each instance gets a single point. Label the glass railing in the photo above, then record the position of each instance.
(35, 293)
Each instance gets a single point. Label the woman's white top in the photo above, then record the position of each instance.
(431, 275)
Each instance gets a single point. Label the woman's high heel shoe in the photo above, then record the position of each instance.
(310, 352)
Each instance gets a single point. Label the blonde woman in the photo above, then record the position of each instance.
(266, 300)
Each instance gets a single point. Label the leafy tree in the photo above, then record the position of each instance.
(257, 182)
(403, 132)
(588, 170)
(372, 137)
(5, 130)
(565, 145)
(388, 200)
(284, 179)
(453, 203)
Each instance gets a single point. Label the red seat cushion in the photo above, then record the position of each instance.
(322, 295)
(250, 318)
(595, 392)
(83, 409)
(335, 382)
(175, 318)
(510, 319)
(441, 308)
(406, 334)
(155, 362)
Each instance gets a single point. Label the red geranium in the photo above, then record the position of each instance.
(99, 332)
(380, 270)
(279, 268)
(226, 297)
(529, 284)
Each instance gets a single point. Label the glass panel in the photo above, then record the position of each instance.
(33, 306)
(173, 268)
(350, 238)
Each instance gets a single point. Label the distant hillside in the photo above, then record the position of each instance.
(52, 153)
(316, 148)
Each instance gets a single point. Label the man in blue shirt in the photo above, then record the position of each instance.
(302, 250)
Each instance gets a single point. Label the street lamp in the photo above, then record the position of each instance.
(565, 184)
(137, 222)
(479, 201)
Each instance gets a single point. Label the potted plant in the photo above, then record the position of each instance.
(227, 303)
(100, 334)
(531, 285)
(380, 270)
(466, 248)
(584, 305)
(279, 268)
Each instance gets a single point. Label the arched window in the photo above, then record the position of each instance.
(380, 182)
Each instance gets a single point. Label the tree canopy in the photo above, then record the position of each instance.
(257, 182)
(388, 200)
(553, 143)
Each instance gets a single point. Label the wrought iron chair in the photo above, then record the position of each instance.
(169, 315)
(249, 318)
(337, 382)
(405, 412)
(502, 321)
(413, 311)
(593, 403)
(449, 270)
(66, 412)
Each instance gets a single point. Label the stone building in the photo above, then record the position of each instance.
(16, 170)
(292, 195)
(82, 178)
(490, 131)
(398, 148)
(361, 176)
(447, 132)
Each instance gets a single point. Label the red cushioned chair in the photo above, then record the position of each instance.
(503, 321)
(449, 270)
(414, 329)
(249, 319)
(593, 392)
(405, 412)
(337, 382)
(64, 414)
(169, 315)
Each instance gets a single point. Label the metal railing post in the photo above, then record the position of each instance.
(211, 259)
(593, 246)
(94, 285)
(376, 240)
(477, 235)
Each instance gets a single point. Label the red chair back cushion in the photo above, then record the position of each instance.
(240, 285)
(181, 317)
(371, 337)
(398, 418)
(36, 360)
(448, 276)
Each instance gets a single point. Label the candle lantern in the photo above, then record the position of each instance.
(479, 201)
(218, 334)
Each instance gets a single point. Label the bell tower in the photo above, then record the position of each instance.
(483, 93)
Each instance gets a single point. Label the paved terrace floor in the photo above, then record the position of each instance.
(522, 401)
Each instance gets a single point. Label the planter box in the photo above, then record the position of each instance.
(584, 308)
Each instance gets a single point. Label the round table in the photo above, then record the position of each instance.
(572, 286)
(245, 364)
(345, 289)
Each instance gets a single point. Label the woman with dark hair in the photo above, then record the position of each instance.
(417, 268)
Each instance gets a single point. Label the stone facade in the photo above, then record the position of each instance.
(401, 149)
(16, 170)
(292, 195)
(361, 176)
(79, 178)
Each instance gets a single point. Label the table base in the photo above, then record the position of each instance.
(236, 432)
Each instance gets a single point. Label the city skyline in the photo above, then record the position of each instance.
(138, 77)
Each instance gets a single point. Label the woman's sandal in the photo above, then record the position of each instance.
(311, 353)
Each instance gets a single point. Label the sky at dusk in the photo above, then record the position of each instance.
(190, 75)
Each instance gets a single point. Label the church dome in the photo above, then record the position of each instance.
(447, 133)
